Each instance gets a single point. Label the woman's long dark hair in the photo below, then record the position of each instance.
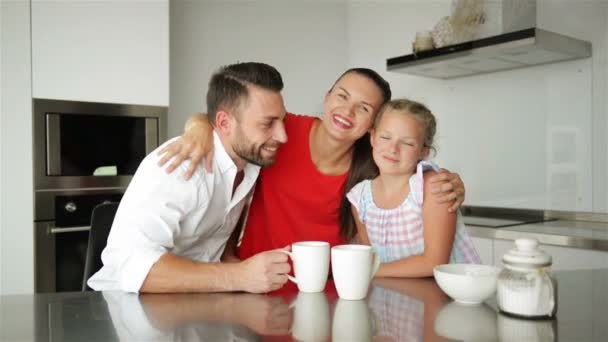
(362, 166)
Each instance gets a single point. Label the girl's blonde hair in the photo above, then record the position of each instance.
(419, 111)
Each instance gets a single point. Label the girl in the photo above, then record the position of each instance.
(396, 212)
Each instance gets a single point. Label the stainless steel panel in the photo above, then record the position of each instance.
(44, 200)
(505, 213)
(578, 216)
(59, 230)
(533, 214)
(531, 223)
(151, 134)
(489, 222)
(53, 145)
(44, 242)
(548, 239)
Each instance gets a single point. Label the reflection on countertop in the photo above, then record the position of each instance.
(395, 310)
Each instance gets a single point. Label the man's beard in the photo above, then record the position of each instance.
(250, 152)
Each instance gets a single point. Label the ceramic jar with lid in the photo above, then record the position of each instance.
(525, 287)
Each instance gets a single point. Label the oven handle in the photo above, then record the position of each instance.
(57, 230)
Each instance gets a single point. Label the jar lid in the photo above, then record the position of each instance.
(526, 253)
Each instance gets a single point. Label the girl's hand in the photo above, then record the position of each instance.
(196, 143)
(449, 187)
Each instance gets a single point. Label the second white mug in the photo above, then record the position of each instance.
(353, 267)
(310, 265)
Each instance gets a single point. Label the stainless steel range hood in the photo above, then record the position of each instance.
(507, 51)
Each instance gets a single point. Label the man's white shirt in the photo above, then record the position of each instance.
(164, 213)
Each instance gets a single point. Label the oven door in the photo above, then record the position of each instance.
(62, 236)
(60, 257)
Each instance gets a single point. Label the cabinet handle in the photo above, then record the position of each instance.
(57, 230)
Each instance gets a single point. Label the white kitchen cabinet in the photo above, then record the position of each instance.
(16, 178)
(485, 249)
(101, 51)
(564, 258)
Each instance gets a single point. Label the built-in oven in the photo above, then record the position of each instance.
(62, 234)
(85, 154)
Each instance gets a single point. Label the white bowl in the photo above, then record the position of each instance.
(467, 283)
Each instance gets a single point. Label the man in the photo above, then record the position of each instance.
(169, 234)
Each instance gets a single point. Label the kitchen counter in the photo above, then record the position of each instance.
(565, 233)
(397, 309)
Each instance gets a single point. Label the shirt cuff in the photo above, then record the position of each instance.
(137, 267)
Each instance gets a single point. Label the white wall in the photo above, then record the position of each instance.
(1, 125)
(507, 133)
(527, 138)
(101, 51)
(588, 20)
(305, 41)
(16, 182)
(600, 176)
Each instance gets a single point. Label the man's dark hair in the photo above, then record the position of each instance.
(362, 166)
(228, 86)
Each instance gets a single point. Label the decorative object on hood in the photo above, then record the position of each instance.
(423, 41)
(476, 19)
(462, 24)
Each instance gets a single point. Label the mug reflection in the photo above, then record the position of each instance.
(352, 321)
(311, 321)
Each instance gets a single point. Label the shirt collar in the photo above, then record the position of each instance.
(225, 163)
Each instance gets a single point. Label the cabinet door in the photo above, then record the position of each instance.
(101, 51)
(485, 249)
(564, 258)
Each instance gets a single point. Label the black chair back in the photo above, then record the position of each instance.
(101, 222)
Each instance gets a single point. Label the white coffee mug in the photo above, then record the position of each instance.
(310, 265)
(353, 267)
(311, 321)
(353, 321)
